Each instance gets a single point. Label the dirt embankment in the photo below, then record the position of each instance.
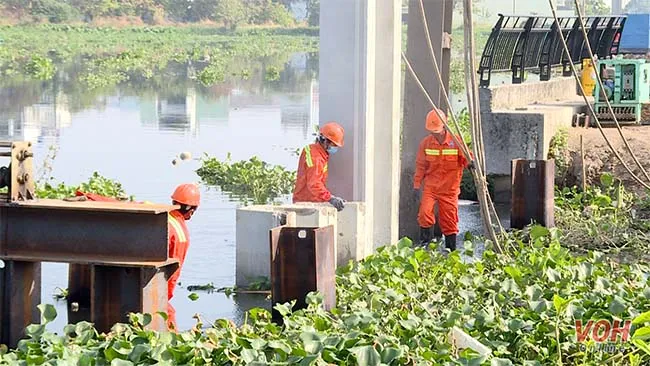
(599, 158)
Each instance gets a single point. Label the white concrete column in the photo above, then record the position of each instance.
(387, 120)
(359, 88)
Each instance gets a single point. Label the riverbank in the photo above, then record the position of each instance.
(108, 56)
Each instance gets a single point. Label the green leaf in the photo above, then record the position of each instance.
(137, 352)
(35, 331)
(366, 356)
(48, 313)
(515, 324)
(147, 318)
(617, 306)
(537, 232)
(390, 354)
(642, 318)
(559, 303)
(248, 355)
(606, 179)
(193, 296)
(280, 345)
(642, 345)
(500, 362)
(537, 306)
(642, 333)
(553, 275)
(118, 362)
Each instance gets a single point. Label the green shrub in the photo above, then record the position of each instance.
(55, 11)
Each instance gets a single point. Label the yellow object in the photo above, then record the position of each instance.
(588, 77)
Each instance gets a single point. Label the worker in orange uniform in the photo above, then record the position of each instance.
(311, 178)
(438, 171)
(188, 197)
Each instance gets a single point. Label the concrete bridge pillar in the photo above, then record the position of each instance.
(360, 43)
(416, 106)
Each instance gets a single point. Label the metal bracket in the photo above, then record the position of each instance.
(446, 41)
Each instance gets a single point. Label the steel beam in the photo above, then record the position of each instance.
(19, 296)
(302, 261)
(83, 232)
(118, 291)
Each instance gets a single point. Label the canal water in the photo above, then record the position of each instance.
(132, 133)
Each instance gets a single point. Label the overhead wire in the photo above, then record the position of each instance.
(475, 119)
(602, 87)
(589, 106)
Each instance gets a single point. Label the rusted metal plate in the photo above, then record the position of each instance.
(118, 291)
(19, 296)
(79, 284)
(533, 184)
(302, 261)
(22, 172)
(115, 292)
(122, 207)
(82, 236)
(155, 295)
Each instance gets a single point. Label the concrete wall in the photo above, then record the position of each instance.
(519, 122)
(252, 251)
(255, 222)
(511, 96)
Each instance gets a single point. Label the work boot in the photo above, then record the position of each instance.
(425, 236)
(450, 242)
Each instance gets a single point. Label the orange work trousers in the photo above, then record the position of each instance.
(171, 318)
(447, 211)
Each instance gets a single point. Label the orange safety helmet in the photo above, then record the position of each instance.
(187, 194)
(333, 132)
(433, 122)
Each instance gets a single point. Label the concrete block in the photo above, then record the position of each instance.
(352, 241)
(521, 134)
(511, 96)
(253, 224)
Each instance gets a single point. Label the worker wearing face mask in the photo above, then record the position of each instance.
(311, 178)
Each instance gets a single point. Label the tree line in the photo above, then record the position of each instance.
(230, 13)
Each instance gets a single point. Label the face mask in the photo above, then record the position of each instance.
(332, 149)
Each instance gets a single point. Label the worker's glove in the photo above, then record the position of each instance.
(471, 165)
(418, 193)
(337, 202)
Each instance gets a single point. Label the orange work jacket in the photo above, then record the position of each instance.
(311, 178)
(439, 166)
(179, 243)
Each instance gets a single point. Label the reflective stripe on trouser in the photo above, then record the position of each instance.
(447, 212)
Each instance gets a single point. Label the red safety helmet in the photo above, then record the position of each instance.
(187, 194)
(333, 132)
(433, 122)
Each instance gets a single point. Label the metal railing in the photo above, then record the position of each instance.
(520, 43)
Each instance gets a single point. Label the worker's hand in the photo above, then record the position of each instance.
(471, 165)
(337, 202)
(418, 193)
